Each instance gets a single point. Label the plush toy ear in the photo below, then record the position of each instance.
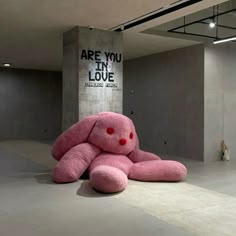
(76, 134)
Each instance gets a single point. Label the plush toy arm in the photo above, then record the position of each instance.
(158, 171)
(76, 134)
(140, 156)
(73, 164)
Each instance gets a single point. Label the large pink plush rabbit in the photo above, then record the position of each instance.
(107, 146)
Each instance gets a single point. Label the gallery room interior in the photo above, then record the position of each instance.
(118, 117)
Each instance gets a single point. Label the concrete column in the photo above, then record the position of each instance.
(92, 73)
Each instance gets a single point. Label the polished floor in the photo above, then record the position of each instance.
(31, 205)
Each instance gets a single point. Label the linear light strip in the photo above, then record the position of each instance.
(155, 14)
(225, 40)
(142, 17)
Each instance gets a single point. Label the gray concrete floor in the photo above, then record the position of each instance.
(31, 205)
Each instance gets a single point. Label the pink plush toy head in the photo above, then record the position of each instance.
(113, 133)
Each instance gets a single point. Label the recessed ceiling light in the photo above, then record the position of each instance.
(7, 64)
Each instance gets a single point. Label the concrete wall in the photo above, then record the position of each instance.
(109, 46)
(166, 94)
(89, 54)
(30, 104)
(220, 99)
(70, 102)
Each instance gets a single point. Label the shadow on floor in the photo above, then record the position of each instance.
(85, 190)
(44, 178)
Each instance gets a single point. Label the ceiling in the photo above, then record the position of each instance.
(31, 31)
(196, 26)
(150, 44)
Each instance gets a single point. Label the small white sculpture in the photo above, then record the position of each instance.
(225, 151)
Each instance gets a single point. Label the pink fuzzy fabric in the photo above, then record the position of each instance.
(76, 134)
(108, 179)
(139, 156)
(112, 142)
(158, 171)
(107, 146)
(74, 162)
(121, 162)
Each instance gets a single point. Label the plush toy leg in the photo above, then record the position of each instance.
(74, 163)
(108, 179)
(158, 171)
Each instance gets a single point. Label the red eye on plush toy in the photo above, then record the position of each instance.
(131, 135)
(110, 130)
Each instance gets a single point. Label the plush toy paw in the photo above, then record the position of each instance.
(158, 171)
(63, 176)
(108, 179)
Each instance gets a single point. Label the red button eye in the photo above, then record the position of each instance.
(110, 130)
(131, 135)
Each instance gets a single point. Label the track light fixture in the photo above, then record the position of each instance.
(212, 24)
